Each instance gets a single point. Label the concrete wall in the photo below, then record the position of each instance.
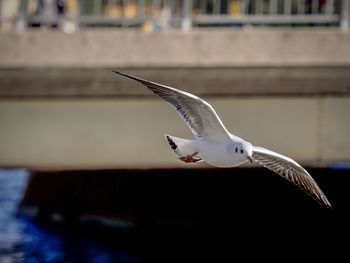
(129, 133)
(61, 107)
(199, 48)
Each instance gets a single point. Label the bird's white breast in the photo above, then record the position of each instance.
(218, 152)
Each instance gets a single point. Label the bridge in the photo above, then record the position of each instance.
(283, 87)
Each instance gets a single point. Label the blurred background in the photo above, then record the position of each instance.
(83, 149)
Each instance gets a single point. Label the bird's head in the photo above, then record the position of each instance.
(246, 149)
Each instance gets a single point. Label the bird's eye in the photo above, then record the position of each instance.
(236, 150)
(241, 151)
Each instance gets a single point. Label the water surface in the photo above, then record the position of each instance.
(23, 240)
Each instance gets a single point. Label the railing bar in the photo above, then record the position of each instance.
(315, 6)
(203, 6)
(173, 8)
(273, 7)
(122, 9)
(301, 7)
(124, 4)
(22, 22)
(345, 15)
(287, 7)
(97, 7)
(215, 7)
(114, 2)
(329, 7)
(140, 7)
(245, 7)
(258, 7)
(261, 19)
(48, 12)
(263, 11)
(167, 13)
(186, 23)
(155, 6)
(228, 5)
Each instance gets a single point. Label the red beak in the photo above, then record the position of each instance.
(249, 158)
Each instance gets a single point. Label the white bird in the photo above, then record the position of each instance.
(214, 145)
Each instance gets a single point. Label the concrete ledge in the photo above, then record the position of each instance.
(200, 48)
(212, 82)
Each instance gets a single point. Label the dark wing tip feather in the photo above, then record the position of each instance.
(130, 76)
(157, 88)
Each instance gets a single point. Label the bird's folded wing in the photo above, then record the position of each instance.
(197, 113)
(290, 170)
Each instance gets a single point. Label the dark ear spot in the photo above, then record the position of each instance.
(241, 151)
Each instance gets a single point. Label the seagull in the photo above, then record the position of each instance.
(216, 146)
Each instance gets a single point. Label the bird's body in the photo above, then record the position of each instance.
(217, 152)
(214, 145)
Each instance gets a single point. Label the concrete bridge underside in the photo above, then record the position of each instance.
(62, 107)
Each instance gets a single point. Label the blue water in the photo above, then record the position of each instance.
(22, 240)
(340, 166)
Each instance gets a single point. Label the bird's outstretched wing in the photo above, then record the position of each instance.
(290, 170)
(197, 113)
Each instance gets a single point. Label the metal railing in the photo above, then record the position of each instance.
(153, 15)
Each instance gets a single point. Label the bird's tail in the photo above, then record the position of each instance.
(182, 147)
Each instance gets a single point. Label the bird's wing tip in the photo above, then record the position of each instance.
(328, 205)
(117, 72)
(130, 76)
